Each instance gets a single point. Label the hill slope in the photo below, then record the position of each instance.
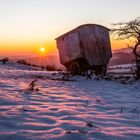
(59, 110)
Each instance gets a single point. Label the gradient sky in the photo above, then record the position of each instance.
(27, 25)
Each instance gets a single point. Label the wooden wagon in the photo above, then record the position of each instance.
(85, 47)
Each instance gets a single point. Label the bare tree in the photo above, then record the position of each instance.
(129, 30)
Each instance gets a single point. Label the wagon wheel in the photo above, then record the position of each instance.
(75, 68)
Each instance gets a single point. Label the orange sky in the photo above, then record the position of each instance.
(33, 49)
(27, 49)
(28, 25)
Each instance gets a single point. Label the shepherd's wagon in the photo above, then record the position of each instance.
(85, 47)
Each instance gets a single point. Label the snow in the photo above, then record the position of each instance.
(128, 70)
(80, 109)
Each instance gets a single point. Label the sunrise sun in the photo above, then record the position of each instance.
(42, 49)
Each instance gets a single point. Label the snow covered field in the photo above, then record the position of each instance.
(66, 110)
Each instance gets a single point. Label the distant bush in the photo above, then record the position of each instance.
(24, 62)
(51, 68)
(59, 69)
(34, 65)
(29, 64)
(4, 60)
(43, 67)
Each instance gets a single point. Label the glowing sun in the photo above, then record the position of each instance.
(42, 49)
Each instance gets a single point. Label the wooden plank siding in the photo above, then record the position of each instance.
(69, 47)
(91, 42)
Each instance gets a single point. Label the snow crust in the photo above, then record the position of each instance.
(81, 109)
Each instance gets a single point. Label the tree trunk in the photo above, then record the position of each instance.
(137, 56)
(138, 68)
